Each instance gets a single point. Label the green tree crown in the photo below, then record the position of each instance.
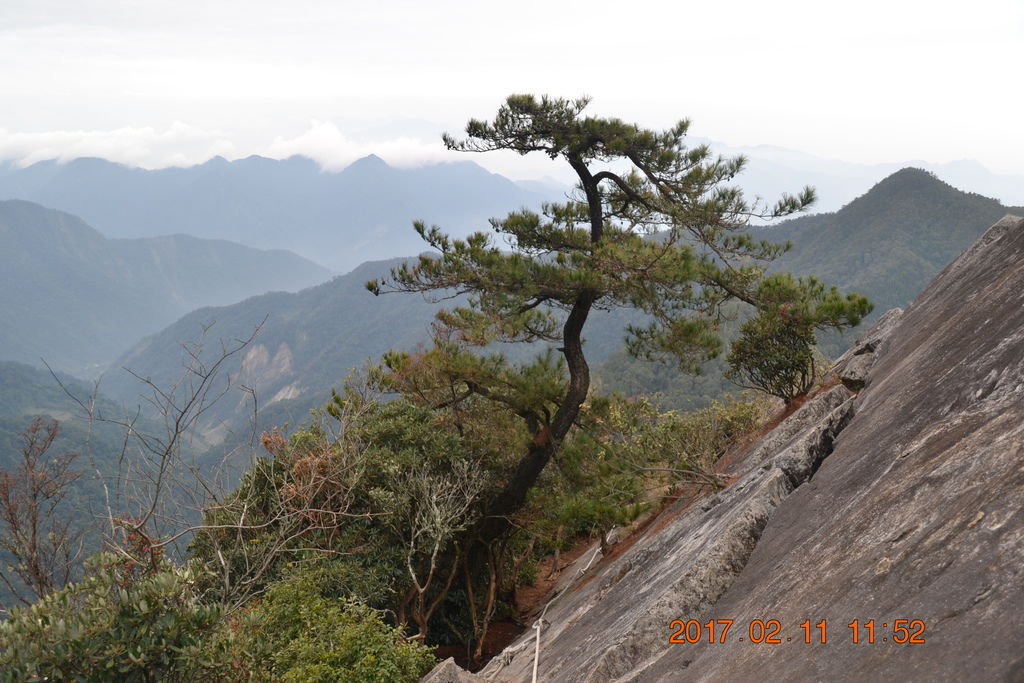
(652, 225)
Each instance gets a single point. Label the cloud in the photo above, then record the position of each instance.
(333, 150)
(178, 145)
(185, 145)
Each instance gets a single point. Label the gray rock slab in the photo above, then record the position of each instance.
(917, 514)
(870, 341)
(450, 672)
(854, 374)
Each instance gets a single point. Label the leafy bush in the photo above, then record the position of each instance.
(696, 440)
(113, 625)
(775, 354)
(401, 536)
(296, 633)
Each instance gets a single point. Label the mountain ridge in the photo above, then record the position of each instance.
(911, 213)
(78, 299)
(886, 244)
(338, 218)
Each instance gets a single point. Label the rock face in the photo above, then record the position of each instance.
(905, 501)
(853, 366)
(449, 672)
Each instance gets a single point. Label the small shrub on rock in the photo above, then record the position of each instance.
(775, 354)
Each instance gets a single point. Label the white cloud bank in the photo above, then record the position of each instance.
(333, 150)
(179, 145)
(185, 145)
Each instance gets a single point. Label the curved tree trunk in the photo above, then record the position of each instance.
(547, 439)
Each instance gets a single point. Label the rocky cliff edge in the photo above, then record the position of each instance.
(896, 493)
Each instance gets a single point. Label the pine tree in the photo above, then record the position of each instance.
(653, 225)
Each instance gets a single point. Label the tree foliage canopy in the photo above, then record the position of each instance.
(652, 225)
(594, 251)
(775, 354)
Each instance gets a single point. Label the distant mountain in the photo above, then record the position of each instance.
(548, 187)
(77, 299)
(340, 219)
(308, 344)
(887, 244)
(771, 171)
(890, 242)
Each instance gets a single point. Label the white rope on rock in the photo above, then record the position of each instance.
(539, 624)
(509, 654)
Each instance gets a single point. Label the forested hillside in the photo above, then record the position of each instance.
(28, 392)
(307, 343)
(891, 241)
(76, 299)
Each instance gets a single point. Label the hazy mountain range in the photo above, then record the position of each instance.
(76, 299)
(80, 300)
(339, 219)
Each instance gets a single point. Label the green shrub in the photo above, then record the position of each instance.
(775, 354)
(111, 626)
(694, 441)
(295, 633)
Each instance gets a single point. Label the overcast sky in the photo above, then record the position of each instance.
(155, 83)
